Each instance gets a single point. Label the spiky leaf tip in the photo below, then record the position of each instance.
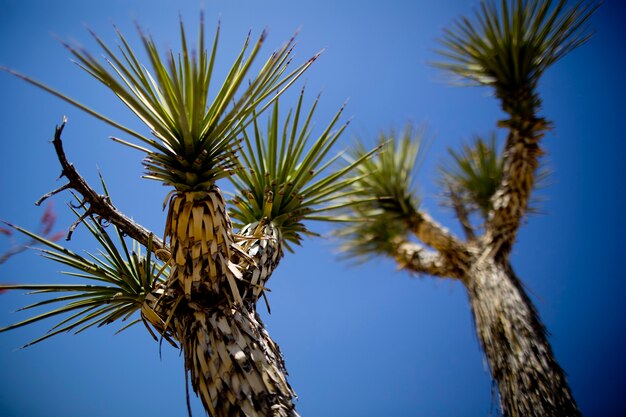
(386, 182)
(511, 44)
(287, 177)
(384, 195)
(195, 130)
(114, 283)
(370, 233)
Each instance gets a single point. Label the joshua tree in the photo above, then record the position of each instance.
(507, 48)
(198, 286)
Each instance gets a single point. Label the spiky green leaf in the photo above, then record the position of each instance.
(195, 135)
(510, 45)
(288, 178)
(472, 175)
(384, 193)
(118, 280)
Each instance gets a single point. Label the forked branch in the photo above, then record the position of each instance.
(461, 212)
(431, 233)
(414, 258)
(95, 204)
(510, 202)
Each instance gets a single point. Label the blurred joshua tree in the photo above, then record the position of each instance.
(506, 47)
(199, 286)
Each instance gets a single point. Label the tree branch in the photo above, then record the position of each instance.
(461, 213)
(510, 201)
(99, 205)
(414, 258)
(439, 238)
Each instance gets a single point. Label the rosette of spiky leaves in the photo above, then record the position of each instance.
(196, 136)
(371, 234)
(388, 178)
(288, 178)
(511, 45)
(473, 175)
(384, 189)
(117, 280)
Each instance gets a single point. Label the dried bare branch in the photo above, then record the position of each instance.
(99, 205)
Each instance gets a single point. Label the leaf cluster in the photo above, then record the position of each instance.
(196, 137)
(472, 176)
(288, 177)
(120, 277)
(384, 195)
(511, 46)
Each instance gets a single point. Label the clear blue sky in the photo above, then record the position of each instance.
(365, 341)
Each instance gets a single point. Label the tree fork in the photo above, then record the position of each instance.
(452, 250)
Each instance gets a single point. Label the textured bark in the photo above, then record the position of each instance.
(521, 159)
(235, 367)
(262, 243)
(414, 258)
(199, 232)
(530, 381)
(208, 305)
(441, 239)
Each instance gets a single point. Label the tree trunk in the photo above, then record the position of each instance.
(208, 305)
(236, 369)
(521, 362)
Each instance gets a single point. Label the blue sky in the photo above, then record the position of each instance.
(359, 341)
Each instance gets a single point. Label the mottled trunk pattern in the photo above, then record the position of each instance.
(199, 233)
(208, 305)
(521, 362)
(521, 159)
(235, 367)
(262, 242)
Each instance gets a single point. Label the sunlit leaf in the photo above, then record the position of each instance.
(385, 194)
(112, 285)
(287, 177)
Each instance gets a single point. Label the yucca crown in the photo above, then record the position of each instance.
(195, 135)
(384, 194)
(287, 178)
(510, 44)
